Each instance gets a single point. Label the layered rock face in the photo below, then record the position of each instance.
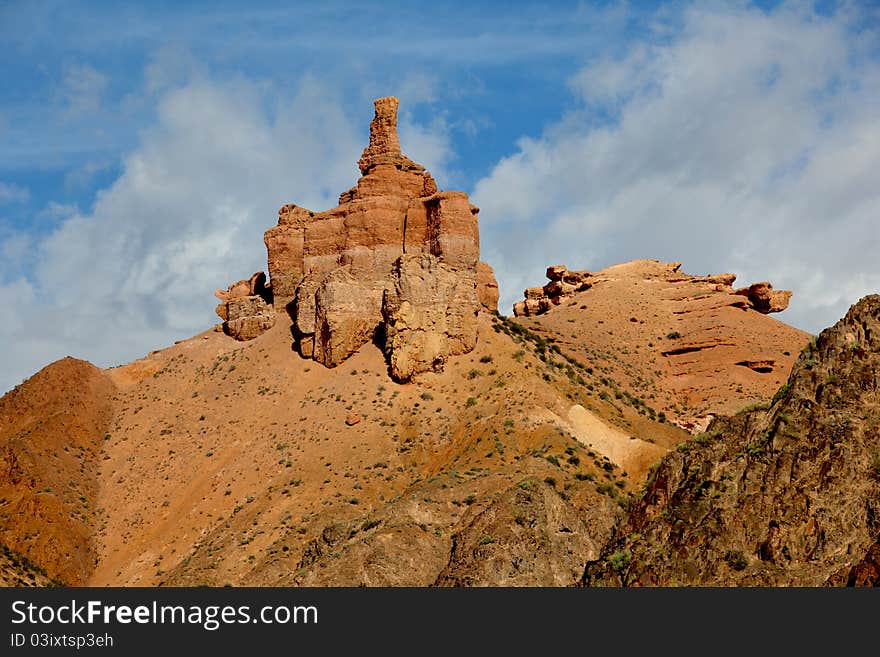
(783, 495)
(688, 343)
(330, 270)
(487, 286)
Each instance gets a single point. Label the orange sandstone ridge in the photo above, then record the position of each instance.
(694, 346)
(564, 282)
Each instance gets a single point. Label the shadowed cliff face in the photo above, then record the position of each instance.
(783, 495)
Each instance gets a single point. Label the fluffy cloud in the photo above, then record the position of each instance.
(185, 217)
(736, 141)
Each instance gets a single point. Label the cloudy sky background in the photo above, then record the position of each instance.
(145, 149)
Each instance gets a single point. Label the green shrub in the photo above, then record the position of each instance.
(620, 562)
(874, 465)
(736, 559)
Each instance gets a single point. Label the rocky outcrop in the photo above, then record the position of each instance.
(764, 298)
(563, 283)
(430, 312)
(347, 315)
(487, 287)
(329, 269)
(245, 308)
(783, 495)
(688, 342)
(517, 530)
(529, 536)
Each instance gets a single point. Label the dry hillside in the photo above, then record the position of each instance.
(364, 416)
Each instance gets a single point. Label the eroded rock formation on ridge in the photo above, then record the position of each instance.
(348, 274)
(564, 282)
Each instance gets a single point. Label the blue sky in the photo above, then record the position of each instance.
(145, 147)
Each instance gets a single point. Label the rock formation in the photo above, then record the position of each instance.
(430, 313)
(245, 308)
(691, 344)
(330, 270)
(563, 283)
(487, 286)
(764, 298)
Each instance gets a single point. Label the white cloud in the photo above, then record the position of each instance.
(746, 142)
(81, 177)
(429, 145)
(12, 193)
(185, 216)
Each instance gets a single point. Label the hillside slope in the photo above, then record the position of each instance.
(684, 346)
(231, 463)
(52, 429)
(787, 494)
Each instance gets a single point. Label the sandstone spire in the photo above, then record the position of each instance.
(395, 262)
(384, 145)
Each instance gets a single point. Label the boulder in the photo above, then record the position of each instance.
(248, 317)
(246, 307)
(563, 283)
(764, 298)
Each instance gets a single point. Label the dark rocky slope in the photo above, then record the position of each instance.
(783, 495)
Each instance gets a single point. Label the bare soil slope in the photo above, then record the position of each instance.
(233, 462)
(52, 428)
(220, 462)
(671, 343)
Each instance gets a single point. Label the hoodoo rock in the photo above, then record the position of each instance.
(330, 270)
